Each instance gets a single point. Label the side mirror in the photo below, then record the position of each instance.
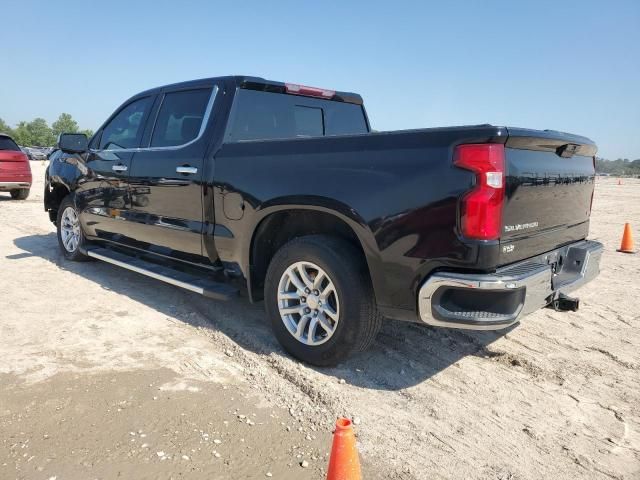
(73, 142)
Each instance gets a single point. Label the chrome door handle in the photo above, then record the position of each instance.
(191, 170)
(119, 168)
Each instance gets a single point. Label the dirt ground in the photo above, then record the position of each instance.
(105, 373)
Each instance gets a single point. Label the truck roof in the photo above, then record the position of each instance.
(259, 83)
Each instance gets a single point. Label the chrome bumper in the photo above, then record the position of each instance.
(502, 298)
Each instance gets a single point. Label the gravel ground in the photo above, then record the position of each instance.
(93, 357)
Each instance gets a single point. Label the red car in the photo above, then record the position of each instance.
(15, 171)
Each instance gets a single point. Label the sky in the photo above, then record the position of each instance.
(572, 66)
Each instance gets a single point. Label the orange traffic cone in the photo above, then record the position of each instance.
(343, 462)
(626, 246)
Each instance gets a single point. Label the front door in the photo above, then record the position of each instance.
(104, 199)
(165, 178)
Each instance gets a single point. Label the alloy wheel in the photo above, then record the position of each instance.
(308, 303)
(70, 229)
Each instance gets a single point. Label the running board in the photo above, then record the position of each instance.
(203, 286)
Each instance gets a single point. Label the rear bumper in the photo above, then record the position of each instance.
(13, 185)
(498, 300)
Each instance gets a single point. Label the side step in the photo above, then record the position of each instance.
(204, 286)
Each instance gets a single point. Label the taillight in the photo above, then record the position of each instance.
(481, 207)
(13, 156)
(294, 89)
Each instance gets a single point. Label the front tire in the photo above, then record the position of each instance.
(319, 299)
(20, 194)
(70, 235)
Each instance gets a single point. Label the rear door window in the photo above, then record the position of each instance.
(7, 144)
(260, 115)
(125, 129)
(180, 117)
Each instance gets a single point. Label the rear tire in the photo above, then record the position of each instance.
(20, 194)
(337, 323)
(70, 235)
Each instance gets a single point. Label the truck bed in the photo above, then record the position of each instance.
(400, 192)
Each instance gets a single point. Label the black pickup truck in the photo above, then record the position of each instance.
(240, 184)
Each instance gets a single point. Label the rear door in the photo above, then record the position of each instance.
(103, 198)
(550, 178)
(166, 176)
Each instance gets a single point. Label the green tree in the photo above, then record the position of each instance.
(22, 135)
(621, 166)
(34, 133)
(5, 128)
(64, 124)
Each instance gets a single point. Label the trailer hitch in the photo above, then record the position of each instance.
(565, 303)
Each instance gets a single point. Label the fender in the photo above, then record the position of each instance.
(339, 210)
(65, 172)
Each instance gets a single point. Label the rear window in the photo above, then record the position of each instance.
(7, 144)
(180, 117)
(263, 115)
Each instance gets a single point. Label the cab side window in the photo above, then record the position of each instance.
(180, 117)
(125, 129)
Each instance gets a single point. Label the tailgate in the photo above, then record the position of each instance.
(549, 187)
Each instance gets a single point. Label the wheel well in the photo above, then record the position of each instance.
(281, 227)
(53, 198)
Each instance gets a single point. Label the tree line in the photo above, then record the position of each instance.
(621, 166)
(38, 133)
